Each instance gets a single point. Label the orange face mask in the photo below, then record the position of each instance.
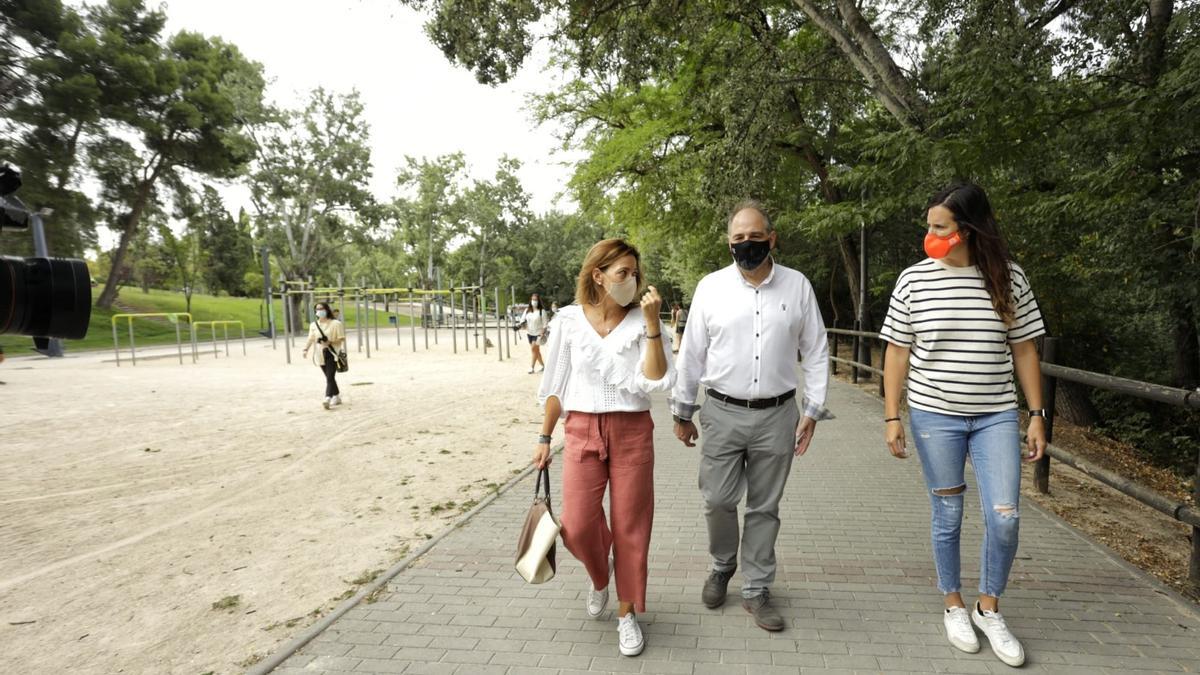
(939, 247)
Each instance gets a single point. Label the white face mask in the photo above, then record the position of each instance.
(623, 292)
(320, 314)
(534, 304)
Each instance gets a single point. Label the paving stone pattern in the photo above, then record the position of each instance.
(855, 583)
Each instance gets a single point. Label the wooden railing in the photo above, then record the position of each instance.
(1051, 374)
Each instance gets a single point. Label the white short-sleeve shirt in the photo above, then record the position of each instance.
(959, 359)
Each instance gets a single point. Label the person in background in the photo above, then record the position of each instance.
(536, 319)
(328, 333)
(681, 315)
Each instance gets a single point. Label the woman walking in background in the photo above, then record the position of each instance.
(327, 332)
(605, 359)
(957, 324)
(535, 321)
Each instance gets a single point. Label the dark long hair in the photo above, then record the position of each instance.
(541, 308)
(973, 212)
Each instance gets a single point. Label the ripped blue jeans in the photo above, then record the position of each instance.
(993, 442)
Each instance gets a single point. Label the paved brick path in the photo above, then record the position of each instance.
(855, 583)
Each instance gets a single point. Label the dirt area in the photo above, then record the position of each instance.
(1152, 541)
(1141, 535)
(190, 519)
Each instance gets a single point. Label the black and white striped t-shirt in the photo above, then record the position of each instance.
(959, 362)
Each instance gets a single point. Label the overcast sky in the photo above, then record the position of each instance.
(416, 102)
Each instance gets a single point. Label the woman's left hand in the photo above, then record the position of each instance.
(651, 304)
(1035, 439)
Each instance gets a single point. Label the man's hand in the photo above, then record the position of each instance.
(804, 434)
(686, 432)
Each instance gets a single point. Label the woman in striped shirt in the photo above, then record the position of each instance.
(958, 323)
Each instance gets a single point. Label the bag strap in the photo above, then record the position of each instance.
(543, 478)
(328, 344)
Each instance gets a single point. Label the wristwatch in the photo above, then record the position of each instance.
(543, 438)
(679, 420)
(1037, 412)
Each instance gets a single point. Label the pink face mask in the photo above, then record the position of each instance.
(939, 247)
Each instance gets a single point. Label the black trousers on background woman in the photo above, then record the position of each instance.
(329, 365)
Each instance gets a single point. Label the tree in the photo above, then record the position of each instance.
(49, 113)
(492, 211)
(430, 211)
(308, 184)
(171, 96)
(186, 256)
(227, 243)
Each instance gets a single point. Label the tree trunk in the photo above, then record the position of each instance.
(1073, 403)
(112, 285)
(849, 250)
(877, 54)
(867, 64)
(299, 321)
(1185, 371)
(1158, 20)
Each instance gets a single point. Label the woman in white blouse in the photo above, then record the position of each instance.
(603, 361)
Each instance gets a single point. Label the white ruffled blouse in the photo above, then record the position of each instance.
(594, 374)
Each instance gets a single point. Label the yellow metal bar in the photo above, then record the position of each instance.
(131, 317)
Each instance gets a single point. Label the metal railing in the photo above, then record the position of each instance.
(173, 317)
(1052, 372)
(213, 328)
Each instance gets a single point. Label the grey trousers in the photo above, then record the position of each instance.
(745, 451)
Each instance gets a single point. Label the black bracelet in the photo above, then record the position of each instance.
(652, 337)
(891, 419)
(543, 438)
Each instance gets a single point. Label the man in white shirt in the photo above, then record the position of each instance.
(747, 323)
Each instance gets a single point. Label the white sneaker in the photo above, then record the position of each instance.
(629, 635)
(959, 631)
(1006, 647)
(596, 600)
(336, 400)
(326, 403)
(531, 371)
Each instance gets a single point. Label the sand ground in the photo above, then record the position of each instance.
(190, 519)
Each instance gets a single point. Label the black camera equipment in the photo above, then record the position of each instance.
(40, 297)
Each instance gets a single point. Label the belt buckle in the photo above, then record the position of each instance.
(749, 404)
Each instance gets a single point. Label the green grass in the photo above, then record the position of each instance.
(158, 331)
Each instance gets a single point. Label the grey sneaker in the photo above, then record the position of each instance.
(716, 587)
(765, 615)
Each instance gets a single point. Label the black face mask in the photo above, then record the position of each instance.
(750, 254)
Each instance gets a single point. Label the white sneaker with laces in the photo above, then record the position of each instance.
(336, 400)
(629, 635)
(596, 600)
(959, 631)
(1004, 644)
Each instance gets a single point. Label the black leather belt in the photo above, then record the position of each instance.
(755, 404)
